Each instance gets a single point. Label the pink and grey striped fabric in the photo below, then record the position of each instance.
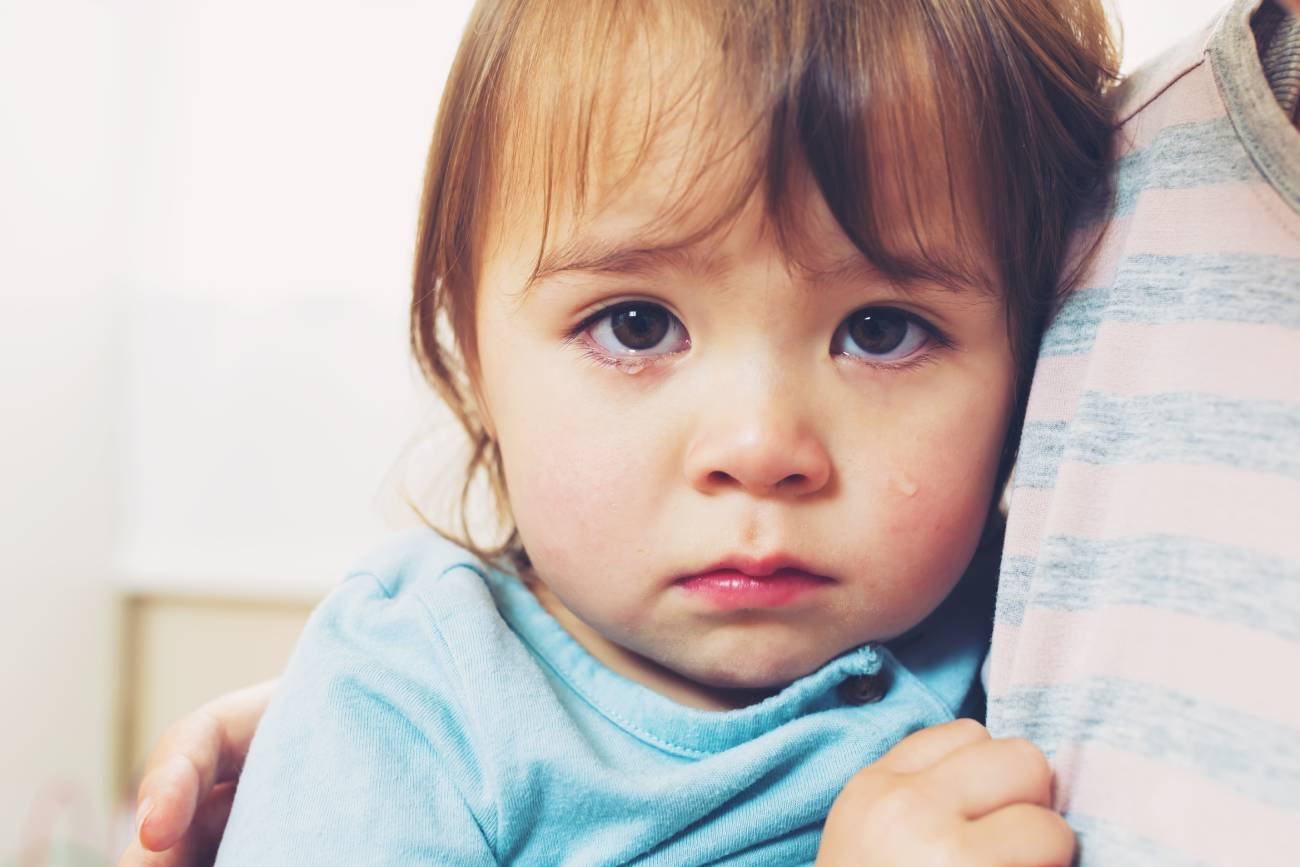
(1148, 621)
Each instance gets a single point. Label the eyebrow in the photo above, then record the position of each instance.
(931, 274)
(598, 257)
(593, 256)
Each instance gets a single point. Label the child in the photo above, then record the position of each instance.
(736, 302)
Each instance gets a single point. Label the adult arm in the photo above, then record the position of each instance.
(189, 781)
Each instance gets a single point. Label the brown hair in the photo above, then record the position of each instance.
(984, 116)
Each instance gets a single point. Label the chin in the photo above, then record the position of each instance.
(756, 672)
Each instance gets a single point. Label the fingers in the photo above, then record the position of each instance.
(197, 847)
(913, 755)
(197, 753)
(213, 816)
(170, 793)
(920, 750)
(180, 855)
(239, 713)
(1023, 835)
(138, 856)
(950, 795)
(983, 777)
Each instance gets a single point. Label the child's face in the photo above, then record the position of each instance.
(675, 423)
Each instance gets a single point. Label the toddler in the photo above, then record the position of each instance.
(736, 302)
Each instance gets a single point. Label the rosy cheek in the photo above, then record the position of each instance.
(555, 498)
(575, 495)
(928, 511)
(946, 518)
(938, 495)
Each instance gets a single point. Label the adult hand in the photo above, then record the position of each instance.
(189, 782)
(949, 796)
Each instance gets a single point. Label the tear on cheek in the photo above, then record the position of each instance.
(903, 484)
(933, 521)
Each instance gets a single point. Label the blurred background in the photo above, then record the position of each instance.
(207, 409)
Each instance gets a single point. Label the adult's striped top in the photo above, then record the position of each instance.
(1148, 621)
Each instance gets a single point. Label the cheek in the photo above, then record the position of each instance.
(582, 484)
(938, 499)
(558, 493)
(937, 494)
(949, 470)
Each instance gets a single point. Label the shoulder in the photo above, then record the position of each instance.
(392, 614)
(415, 575)
(1153, 87)
(399, 652)
(373, 719)
(410, 561)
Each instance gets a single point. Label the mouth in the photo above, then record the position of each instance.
(748, 583)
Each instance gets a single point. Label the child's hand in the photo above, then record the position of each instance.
(189, 782)
(949, 796)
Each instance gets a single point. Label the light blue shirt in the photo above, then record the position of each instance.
(434, 713)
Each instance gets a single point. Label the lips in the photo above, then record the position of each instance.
(747, 583)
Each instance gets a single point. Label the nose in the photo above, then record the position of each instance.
(763, 450)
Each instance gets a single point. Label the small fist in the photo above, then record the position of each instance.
(949, 796)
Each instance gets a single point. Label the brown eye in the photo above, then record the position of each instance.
(880, 334)
(639, 328)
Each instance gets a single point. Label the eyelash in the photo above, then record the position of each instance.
(592, 352)
(939, 341)
(626, 365)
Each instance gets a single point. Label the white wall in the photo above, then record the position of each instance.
(269, 386)
(1149, 26)
(61, 158)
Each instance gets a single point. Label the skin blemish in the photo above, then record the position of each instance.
(632, 368)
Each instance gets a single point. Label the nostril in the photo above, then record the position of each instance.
(794, 480)
(718, 477)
